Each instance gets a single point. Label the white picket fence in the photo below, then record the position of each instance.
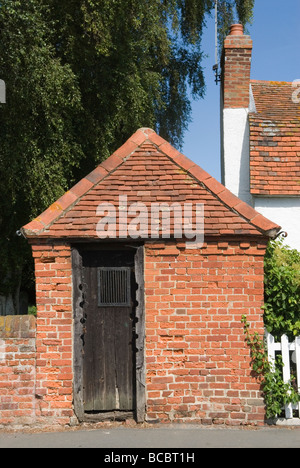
(285, 347)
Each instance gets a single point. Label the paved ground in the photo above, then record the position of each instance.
(168, 437)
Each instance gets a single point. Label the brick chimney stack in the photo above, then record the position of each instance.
(236, 65)
(235, 102)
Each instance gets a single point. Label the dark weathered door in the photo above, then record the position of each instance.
(108, 340)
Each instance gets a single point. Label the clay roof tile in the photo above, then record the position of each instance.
(147, 169)
(275, 139)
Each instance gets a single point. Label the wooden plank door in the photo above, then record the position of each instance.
(109, 338)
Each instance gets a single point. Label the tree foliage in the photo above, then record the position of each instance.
(38, 147)
(81, 77)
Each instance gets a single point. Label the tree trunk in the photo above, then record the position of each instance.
(10, 303)
(7, 306)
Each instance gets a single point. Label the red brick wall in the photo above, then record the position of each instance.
(236, 65)
(54, 350)
(17, 370)
(198, 365)
(197, 362)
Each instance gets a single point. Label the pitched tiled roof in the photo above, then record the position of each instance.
(274, 140)
(147, 169)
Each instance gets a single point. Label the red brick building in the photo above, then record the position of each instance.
(143, 323)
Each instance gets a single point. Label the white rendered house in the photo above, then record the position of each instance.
(260, 138)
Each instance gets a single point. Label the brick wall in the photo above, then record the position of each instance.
(54, 351)
(17, 370)
(198, 365)
(236, 66)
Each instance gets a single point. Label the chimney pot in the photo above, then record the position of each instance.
(236, 30)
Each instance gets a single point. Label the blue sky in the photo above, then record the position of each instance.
(276, 56)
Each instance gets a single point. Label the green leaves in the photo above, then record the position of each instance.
(281, 316)
(276, 392)
(38, 141)
(245, 10)
(282, 290)
(81, 77)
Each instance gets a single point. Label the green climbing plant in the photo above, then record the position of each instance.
(282, 290)
(276, 392)
(281, 316)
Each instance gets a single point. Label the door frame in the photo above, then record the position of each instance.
(78, 326)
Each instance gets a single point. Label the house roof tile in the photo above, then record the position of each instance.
(274, 140)
(147, 169)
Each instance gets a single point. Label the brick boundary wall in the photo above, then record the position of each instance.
(17, 370)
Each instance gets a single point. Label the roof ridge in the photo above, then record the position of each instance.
(272, 82)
